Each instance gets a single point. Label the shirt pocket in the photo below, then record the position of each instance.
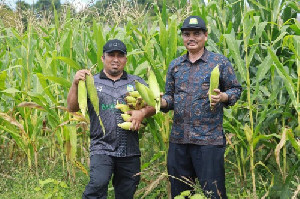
(181, 82)
(204, 87)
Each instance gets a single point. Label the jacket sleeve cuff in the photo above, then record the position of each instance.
(170, 103)
(232, 98)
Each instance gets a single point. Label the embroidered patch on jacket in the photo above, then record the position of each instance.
(99, 88)
(130, 88)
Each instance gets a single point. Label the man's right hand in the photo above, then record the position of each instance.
(80, 75)
(72, 99)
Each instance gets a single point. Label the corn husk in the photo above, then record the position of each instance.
(82, 97)
(92, 93)
(154, 87)
(214, 82)
(125, 125)
(146, 93)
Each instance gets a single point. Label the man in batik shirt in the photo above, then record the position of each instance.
(197, 141)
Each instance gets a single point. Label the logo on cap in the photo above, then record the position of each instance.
(193, 21)
(113, 44)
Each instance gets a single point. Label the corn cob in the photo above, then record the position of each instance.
(134, 94)
(125, 125)
(123, 107)
(92, 92)
(125, 117)
(146, 93)
(82, 97)
(139, 104)
(214, 82)
(132, 106)
(130, 99)
(154, 87)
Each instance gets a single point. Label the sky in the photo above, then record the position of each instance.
(78, 4)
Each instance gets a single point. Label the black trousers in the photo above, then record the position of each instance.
(123, 170)
(204, 162)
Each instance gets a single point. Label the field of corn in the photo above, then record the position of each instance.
(44, 149)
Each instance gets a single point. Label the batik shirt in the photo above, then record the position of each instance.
(186, 93)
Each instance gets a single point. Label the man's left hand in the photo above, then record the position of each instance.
(136, 119)
(219, 97)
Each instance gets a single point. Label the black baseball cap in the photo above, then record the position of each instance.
(193, 22)
(114, 45)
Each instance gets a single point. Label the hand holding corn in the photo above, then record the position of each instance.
(80, 75)
(136, 102)
(133, 114)
(85, 82)
(218, 97)
(136, 118)
(134, 111)
(150, 94)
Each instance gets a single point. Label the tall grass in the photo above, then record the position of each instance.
(259, 37)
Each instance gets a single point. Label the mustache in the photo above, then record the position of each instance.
(191, 42)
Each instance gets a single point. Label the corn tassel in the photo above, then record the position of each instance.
(214, 82)
(82, 97)
(92, 92)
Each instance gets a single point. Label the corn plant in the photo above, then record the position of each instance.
(260, 38)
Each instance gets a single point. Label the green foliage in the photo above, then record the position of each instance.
(188, 194)
(259, 38)
(51, 188)
(22, 5)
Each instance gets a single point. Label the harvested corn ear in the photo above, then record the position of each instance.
(126, 117)
(82, 97)
(134, 94)
(125, 125)
(146, 93)
(123, 107)
(92, 93)
(154, 87)
(130, 99)
(214, 82)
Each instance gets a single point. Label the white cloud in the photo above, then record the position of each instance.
(78, 4)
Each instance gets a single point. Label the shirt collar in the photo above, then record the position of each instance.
(103, 75)
(204, 56)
